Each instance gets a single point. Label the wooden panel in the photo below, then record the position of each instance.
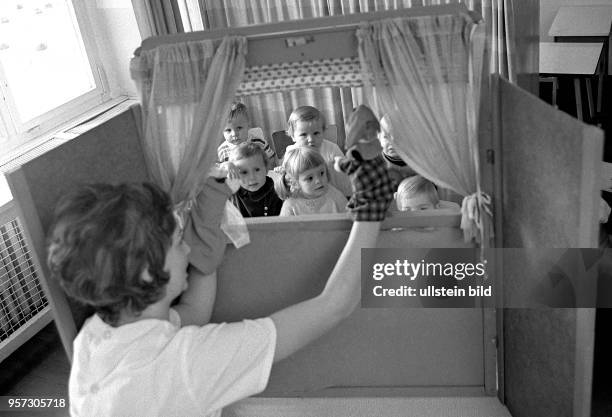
(554, 159)
(109, 153)
(550, 187)
(368, 407)
(287, 262)
(539, 361)
(306, 39)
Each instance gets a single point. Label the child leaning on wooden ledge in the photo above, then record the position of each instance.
(417, 193)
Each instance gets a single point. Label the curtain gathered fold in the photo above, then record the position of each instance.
(182, 88)
(425, 74)
(498, 16)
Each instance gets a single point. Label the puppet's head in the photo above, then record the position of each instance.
(362, 141)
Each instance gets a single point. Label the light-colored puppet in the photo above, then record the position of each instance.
(365, 166)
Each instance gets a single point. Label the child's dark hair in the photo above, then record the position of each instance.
(103, 238)
(304, 114)
(246, 150)
(236, 109)
(296, 161)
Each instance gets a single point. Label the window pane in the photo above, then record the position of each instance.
(43, 56)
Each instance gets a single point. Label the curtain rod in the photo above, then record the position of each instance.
(306, 26)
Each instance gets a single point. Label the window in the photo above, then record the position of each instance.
(48, 70)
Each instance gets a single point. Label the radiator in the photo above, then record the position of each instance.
(24, 309)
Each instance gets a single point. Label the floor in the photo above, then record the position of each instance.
(38, 368)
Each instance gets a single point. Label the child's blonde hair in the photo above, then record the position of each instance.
(297, 160)
(247, 150)
(304, 114)
(417, 185)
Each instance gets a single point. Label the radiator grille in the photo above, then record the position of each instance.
(21, 296)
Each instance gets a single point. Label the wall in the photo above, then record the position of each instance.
(117, 37)
(548, 10)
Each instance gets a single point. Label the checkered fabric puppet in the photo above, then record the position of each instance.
(366, 168)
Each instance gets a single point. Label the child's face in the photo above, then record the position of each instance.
(176, 264)
(414, 203)
(370, 130)
(313, 183)
(236, 130)
(385, 141)
(308, 133)
(252, 172)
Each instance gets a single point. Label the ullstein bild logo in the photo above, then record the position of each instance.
(471, 277)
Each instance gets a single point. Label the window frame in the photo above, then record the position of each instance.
(15, 133)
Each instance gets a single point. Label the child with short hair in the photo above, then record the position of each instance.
(304, 185)
(256, 196)
(306, 126)
(417, 193)
(397, 167)
(119, 249)
(236, 131)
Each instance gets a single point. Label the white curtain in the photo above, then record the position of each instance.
(183, 88)
(426, 78)
(499, 20)
(159, 17)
